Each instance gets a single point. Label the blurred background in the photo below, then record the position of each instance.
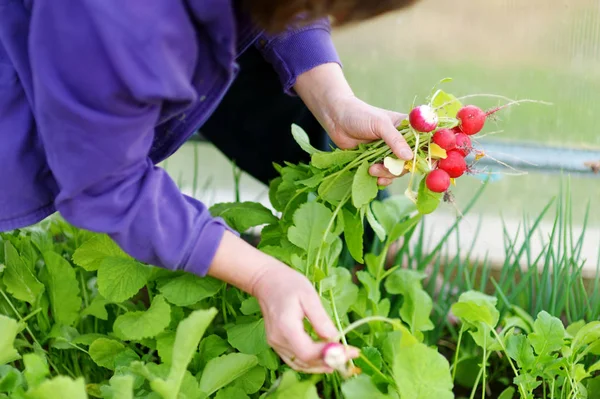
(536, 49)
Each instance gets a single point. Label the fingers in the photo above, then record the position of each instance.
(396, 117)
(318, 317)
(385, 177)
(379, 170)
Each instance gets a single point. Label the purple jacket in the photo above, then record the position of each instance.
(93, 93)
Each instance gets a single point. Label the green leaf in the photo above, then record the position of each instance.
(36, 369)
(361, 387)
(121, 387)
(310, 224)
(508, 393)
(548, 334)
(231, 393)
(399, 230)
(427, 200)
(292, 388)
(574, 328)
(345, 292)
(164, 346)
(189, 334)
(97, 308)
(473, 307)
(223, 370)
(8, 332)
(103, 352)
(519, 348)
(593, 387)
(586, 335)
(392, 210)
(249, 338)
(10, 379)
(338, 158)
(370, 284)
(93, 251)
(353, 234)
(417, 304)
(251, 381)
(451, 105)
(273, 189)
(18, 278)
(241, 216)
(375, 225)
(87, 339)
(375, 360)
(28, 254)
(336, 188)
(250, 306)
(302, 139)
(422, 373)
(364, 186)
(63, 289)
(189, 289)
(268, 359)
(62, 336)
(212, 346)
(59, 387)
(134, 326)
(120, 278)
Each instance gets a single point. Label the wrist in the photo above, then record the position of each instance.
(322, 89)
(240, 264)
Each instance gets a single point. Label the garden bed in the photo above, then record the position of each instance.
(80, 318)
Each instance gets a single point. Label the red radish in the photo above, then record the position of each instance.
(423, 119)
(471, 119)
(445, 138)
(334, 356)
(437, 181)
(463, 144)
(454, 164)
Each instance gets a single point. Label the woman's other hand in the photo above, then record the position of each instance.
(286, 298)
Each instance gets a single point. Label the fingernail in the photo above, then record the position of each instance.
(406, 154)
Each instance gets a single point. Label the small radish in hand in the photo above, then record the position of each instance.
(423, 119)
(334, 356)
(454, 164)
(437, 181)
(463, 144)
(445, 138)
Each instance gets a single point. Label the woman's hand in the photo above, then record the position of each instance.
(348, 120)
(286, 298)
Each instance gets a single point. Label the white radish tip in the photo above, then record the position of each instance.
(423, 118)
(429, 116)
(334, 356)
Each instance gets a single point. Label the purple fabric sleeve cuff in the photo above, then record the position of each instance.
(205, 246)
(299, 50)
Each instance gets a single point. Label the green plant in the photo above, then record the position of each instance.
(545, 357)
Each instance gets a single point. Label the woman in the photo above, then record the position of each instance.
(94, 93)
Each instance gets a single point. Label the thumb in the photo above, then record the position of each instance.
(389, 133)
(318, 317)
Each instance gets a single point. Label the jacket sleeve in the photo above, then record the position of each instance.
(298, 50)
(99, 88)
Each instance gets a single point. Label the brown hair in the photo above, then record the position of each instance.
(275, 15)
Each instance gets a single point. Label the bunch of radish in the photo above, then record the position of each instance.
(455, 142)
